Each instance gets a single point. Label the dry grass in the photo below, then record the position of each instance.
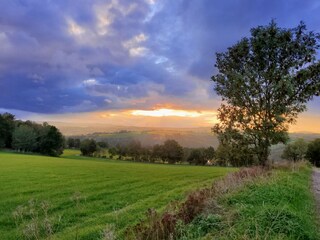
(204, 201)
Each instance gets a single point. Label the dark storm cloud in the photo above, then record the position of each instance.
(70, 56)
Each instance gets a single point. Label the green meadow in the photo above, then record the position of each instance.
(79, 196)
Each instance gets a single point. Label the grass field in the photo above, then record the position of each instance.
(85, 194)
(279, 207)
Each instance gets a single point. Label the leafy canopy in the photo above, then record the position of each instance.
(265, 81)
(313, 152)
(295, 151)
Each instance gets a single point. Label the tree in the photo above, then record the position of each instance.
(157, 152)
(6, 129)
(234, 154)
(134, 149)
(313, 152)
(73, 143)
(77, 143)
(295, 151)
(197, 157)
(51, 141)
(70, 142)
(88, 147)
(172, 151)
(209, 153)
(102, 144)
(265, 81)
(24, 138)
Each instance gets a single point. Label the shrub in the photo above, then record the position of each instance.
(313, 152)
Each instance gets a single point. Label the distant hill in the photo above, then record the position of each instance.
(148, 136)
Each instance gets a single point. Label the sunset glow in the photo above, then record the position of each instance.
(135, 63)
(166, 113)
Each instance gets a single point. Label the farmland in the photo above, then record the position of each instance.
(82, 195)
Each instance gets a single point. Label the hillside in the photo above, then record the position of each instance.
(187, 137)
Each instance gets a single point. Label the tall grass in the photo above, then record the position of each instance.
(200, 206)
(252, 203)
(278, 207)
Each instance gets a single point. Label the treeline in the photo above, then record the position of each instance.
(28, 136)
(300, 149)
(168, 152)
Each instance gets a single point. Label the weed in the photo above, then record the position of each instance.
(32, 219)
(108, 233)
(78, 198)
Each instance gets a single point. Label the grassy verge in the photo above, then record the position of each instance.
(253, 203)
(280, 206)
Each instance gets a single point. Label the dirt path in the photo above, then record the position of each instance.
(316, 186)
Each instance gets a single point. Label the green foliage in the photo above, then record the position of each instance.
(296, 150)
(281, 207)
(169, 152)
(197, 157)
(172, 151)
(88, 147)
(265, 82)
(209, 153)
(313, 152)
(201, 156)
(134, 149)
(73, 143)
(86, 194)
(102, 144)
(51, 141)
(30, 136)
(157, 151)
(199, 227)
(6, 129)
(24, 138)
(231, 154)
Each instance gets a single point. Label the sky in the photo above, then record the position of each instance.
(124, 62)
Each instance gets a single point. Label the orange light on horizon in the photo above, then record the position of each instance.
(164, 112)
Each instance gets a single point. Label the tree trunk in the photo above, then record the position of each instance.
(264, 151)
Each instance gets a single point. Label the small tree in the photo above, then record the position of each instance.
(236, 155)
(295, 151)
(102, 144)
(70, 142)
(172, 151)
(51, 141)
(197, 157)
(6, 129)
(88, 147)
(134, 149)
(265, 81)
(209, 153)
(157, 152)
(77, 143)
(24, 138)
(313, 152)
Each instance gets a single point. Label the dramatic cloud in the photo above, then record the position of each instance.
(68, 56)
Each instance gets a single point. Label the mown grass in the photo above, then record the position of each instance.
(106, 192)
(278, 207)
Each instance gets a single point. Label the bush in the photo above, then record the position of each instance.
(88, 147)
(313, 152)
(295, 151)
